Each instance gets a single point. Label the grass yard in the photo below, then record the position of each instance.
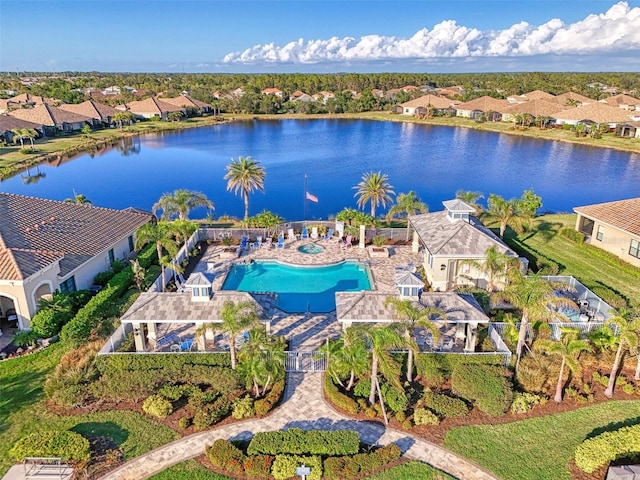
(192, 470)
(590, 265)
(540, 447)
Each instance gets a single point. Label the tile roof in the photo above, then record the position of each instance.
(457, 205)
(423, 101)
(484, 104)
(91, 109)
(536, 108)
(456, 238)
(621, 99)
(48, 115)
(623, 214)
(596, 112)
(563, 98)
(35, 232)
(369, 306)
(408, 278)
(537, 95)
(152, 105)
(185, 101)
(8, 123)
(28, 98)
(176, 307)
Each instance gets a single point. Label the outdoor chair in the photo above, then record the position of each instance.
(328, 235)
(280, 242)
(410, 267)
(347, 242)
(314, 233)
(244, 243)
(186, 345)
(258, 242)
(305, 233)
(291, 235)
(267, 243)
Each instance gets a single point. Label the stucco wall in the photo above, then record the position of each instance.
(614, 241)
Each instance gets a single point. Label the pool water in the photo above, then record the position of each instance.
(311, 248)
(300, 289)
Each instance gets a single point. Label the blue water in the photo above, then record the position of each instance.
(434, 161)
(299, 289)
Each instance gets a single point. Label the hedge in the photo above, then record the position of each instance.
(284, 466)
(338, 399)
(148, 256)
(47, 322)
(297, 441)
(361, 463)
(69, 446)
(225, 455)
(258, 466)
(571, 234)
(485, 385)
(598, 451)
(264, 405)
(109, 364)
(430, 364)
(445, 406)
(158, 406)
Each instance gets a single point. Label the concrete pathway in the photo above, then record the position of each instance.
(303, 407)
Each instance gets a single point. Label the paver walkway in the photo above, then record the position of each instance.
(303, 407)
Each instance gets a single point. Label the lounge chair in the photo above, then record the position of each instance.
(409, 267)
(280, 242)
(328, 235)
(290, 235)
(244, 243)
(267, 243)
(314, 233)
(186, 345)
(347, 242)
(258, 242)
(305, 233)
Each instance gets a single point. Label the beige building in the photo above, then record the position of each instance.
(613, 226)
(46, 245)
(450, 239)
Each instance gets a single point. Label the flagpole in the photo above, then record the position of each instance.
(305, 196)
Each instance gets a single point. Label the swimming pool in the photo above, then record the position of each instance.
(300, 288)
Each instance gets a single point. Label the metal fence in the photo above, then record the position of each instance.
(305, 361)
(602, 310)
(183, 253)
(46, 467)
(556, 328)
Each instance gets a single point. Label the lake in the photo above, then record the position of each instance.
(434, 161)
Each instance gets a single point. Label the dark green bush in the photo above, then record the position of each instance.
(393, 398)
(212, 413)
(571, 234)
(485, 385)
(614, 299)
(361, 463)
(338, 399)
(47, 322)
(108, 364)
(69, 446)
(103, 278)
(26, 338)
(445, 406)
(599, 450)
(148, 256)
(297, 441)
(436, 364)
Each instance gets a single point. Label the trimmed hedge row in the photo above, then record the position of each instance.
(598, 451)
(112, 364)
(148, 256)
(485, 385)
(434, 364)
(67, 445)
(297, 441)
(445, 406)
(571, 234)
(284, 466)
(361, 463)
(338, 399)
(264, 405)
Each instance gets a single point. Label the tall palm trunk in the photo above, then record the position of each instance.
(246, 205)
(374, 377)
(159, 251)
(409, 358)
(232, 351)
(558, 397)
(503, 227)
(522, 336)
(373, 209)
(637, 375)
(351, 380)
(614, 369)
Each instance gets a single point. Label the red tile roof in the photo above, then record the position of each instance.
(623, 214)
(91, 109)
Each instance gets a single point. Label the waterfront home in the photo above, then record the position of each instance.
(623, 101)
(537, 95)
(613, 226)
(100, 113)
(450, 239)
(152, 107)
(46, 245)
(483, 107)
(532, 109)
(191, 104)
(628, 129)
(272, 91)
(300, 96)
(425, 105)
(572, 99)
(594, 113)
(52, 118)
(9, 123)
(323, 96)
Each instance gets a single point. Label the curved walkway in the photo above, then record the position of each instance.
(303, 407)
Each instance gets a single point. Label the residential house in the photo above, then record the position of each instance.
(300, 96)
(628, 129)
(153, 107)
(613, 226)
(532, 109)
(425, 105)
(450, 239)
(112, 90)
(623, 101)
(47, 245)
(485, 107)
(594, 113)
(191, 104)
(101, 114)
(323, 96)
(537, 95)
(463, 313)
(409, 88)
(238, 92)
(52, 118)
(572, 99)
(455, 90)
(9, 123)
(272, 91)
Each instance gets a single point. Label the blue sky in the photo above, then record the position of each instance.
(319, 35)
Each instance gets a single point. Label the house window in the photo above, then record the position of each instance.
(131, 243)
(204, 291)
(600, 233)
(196, 292)
(112, 257)
(69, 285)
(634, 250)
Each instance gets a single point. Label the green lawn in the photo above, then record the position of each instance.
(192, 470)
(590, 265)
(539, 447)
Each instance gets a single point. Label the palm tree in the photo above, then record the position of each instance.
(628, 330)
(381, 339)
(236, 318)
(470, 198)
(495, 265)
(162, 234)
(507, 212)
(180, 203)
(261, 360)
(139, 273)
(17, 134)
(534, 296)
(412, 315)
(174, 116)
(245, 175)
(407, 204)
(121, 117)
(374, 188)
(78, 199)
(346, 356)
(568, 348)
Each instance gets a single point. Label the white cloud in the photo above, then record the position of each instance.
(617, 28)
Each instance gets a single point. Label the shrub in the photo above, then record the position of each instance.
(334, 467)
(175, 392)
(25, 338)
(396, 400)
(184, 423)
(47, 322)
(445, 405)
(148, 256)
(158, 406)
(434, 364)
(297, 441)
(407, 424)
(103, 278)
(108, 364)
(338, 399)
(524, 402)
(64, 444)
(614, 299)
(571, 234)
(362, 388)
(597, 451)
(401, 416)
(258, 466)
(487, 386)
(211, 413)
(284, 466)
(243, 408)
(546, 266)
(422, 416)
(389, 453)
(225, 455)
